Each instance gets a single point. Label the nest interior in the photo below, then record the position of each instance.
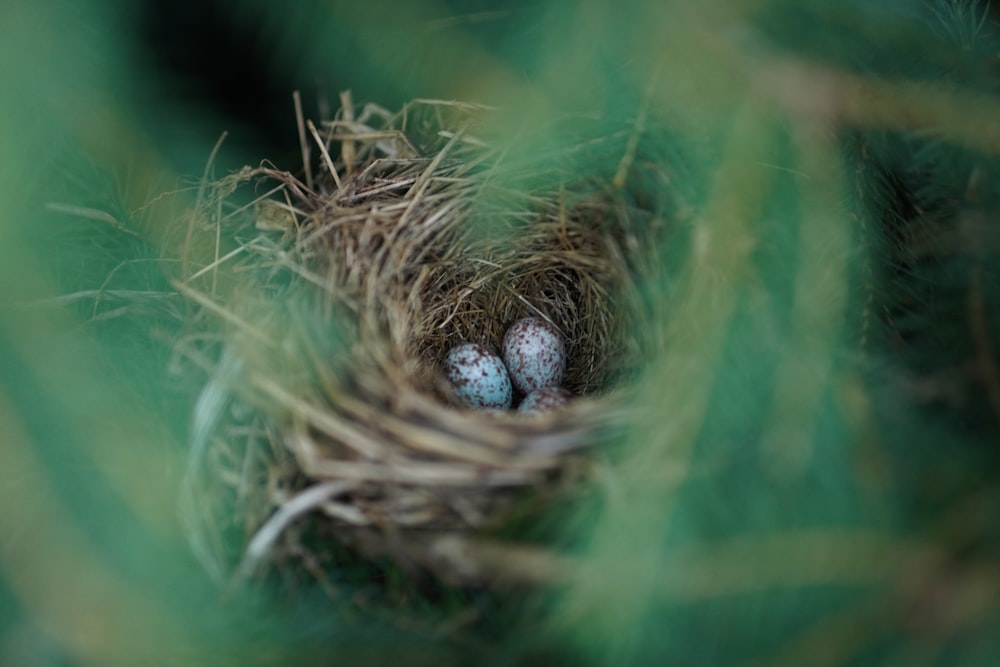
(343, 291)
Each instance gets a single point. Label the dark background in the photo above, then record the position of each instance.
(236, 67)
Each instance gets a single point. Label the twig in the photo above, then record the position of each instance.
(90, 214)
(202, 186)
(300, 121)
(348, 149)
(325, 153)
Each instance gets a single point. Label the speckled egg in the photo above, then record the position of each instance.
(535, 354)
(478, 377)
(545, 399)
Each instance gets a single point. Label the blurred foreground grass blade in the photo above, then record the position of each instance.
(611, 604)
(62, 581)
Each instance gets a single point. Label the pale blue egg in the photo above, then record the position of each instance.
(535, 354)
(545, 399)
(478, 377)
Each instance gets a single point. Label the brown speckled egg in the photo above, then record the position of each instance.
(478, 377)
(535, 354)
(545, 399)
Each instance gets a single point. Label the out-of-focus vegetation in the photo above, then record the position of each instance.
(813, 479)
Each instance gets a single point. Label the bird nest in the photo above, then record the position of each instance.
(322, 313)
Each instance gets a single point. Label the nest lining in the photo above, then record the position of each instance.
(402, 248)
